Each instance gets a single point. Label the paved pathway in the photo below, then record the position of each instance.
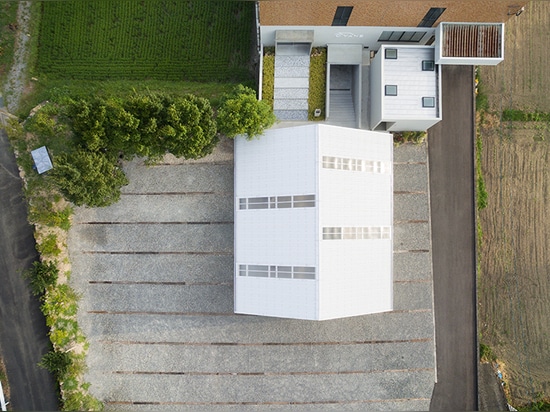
(156, 274)
(23, 332)
(451, 156)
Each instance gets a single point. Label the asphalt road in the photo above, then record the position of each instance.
(451, 159)
(23, 331)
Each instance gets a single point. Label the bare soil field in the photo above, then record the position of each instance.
(514, 283)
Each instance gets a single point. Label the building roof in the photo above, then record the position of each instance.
(470, 43)
(313, 223)
(402, 13)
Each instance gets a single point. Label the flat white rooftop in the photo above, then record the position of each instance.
(313, 223)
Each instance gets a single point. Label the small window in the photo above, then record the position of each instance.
(428, 102)
(258, 203)
(342, 15)
(428, 66)
(242, 204)
(431, 16)
(391, 90)
(391, 54)
(284, 202)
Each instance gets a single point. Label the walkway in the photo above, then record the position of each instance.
(291, 84)
(451, 156)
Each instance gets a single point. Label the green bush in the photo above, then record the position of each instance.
(486, 353)
(59, 302)
(317, 83)
(56, 362)
(41, 211)
(241, 113)
(87, 178)
(414, 137)
(42, 275)
(48, 246)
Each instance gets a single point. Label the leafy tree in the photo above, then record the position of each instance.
(87, 119)
(242, 113)
(88, 178)
(188, 128)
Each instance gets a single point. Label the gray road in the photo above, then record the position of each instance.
(23, 331)
(453, 221)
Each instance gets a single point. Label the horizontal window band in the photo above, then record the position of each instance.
(273, 271)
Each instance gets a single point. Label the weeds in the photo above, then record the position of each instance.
(317, 83)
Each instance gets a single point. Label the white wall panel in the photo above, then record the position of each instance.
(286, 298)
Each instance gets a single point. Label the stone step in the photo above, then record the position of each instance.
(291, 61)
(290, 93)
(292, 82)
(291, 115)
(290, 104)
(291, 71)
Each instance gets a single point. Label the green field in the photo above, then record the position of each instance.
(149, 39)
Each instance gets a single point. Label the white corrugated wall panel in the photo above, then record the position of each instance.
(285, 298)
(281, 162)
(355, 277)
(412, 84)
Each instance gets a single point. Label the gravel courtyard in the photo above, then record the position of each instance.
(155, 272)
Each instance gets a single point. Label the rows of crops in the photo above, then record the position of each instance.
(149, 39)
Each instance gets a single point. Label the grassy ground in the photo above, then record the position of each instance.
(8, 26)
(153, 39)
(514, 287)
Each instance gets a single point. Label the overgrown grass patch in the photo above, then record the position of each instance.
(268, 76)
(8, 28)
(154, 39)
(317, 83)
(481, 191)
(525, 116)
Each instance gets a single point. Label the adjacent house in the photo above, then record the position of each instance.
(354, 34)
(314, 201)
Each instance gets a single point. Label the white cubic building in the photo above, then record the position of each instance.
(313, 223)
(405, 87)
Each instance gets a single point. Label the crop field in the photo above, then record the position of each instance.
(149, 39)
(514, 285)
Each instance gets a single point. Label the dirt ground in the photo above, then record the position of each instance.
(514, 284)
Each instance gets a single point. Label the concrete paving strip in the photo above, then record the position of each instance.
(163, 268)
(391, 326)
(257, 388)
(180, 299)
(412, 266)
(354, 405)
(155, 238)
(182, 178)
(112, 357)
(409, 153)
(410, 178)
(209, 207)
(412, 295)
(411, 236)
(411, 207)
